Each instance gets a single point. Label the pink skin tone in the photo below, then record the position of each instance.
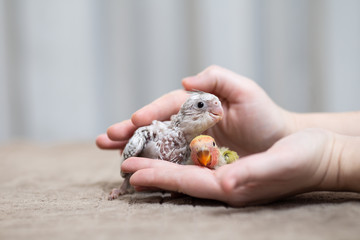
(282, 156)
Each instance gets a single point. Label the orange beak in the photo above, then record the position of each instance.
(204, 157)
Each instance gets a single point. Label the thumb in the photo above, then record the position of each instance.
(255, 168)
(219, 81)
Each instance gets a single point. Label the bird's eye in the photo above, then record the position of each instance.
(200, 105)
(214, 144)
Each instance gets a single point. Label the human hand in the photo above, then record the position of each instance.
(252, 122)
(302, 162)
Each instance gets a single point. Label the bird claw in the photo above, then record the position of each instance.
(114, 194)
(125, 188)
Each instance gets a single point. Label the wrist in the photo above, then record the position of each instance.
(342, 165)
(292, 123)
(300, 121)
(349, 164)
(342, 123)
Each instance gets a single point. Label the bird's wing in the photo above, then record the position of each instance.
(135, 146)
(136, 143)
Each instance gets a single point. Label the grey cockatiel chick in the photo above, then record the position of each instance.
(170, 140)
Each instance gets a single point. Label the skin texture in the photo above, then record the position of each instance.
(282, 156)
(281, 171)
(309, 160)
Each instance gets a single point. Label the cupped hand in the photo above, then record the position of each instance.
(252, 122)
(295, 164)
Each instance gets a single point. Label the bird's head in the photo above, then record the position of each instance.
(200, 112)
(204, 151)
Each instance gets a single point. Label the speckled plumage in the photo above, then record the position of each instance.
(169, 140)
(160, 140)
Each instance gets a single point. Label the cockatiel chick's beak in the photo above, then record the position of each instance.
(216, 110)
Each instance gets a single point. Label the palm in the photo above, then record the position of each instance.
(291, 166)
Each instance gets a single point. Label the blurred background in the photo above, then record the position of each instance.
(69, 69)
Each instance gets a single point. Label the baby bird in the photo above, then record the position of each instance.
(205, 152)
(169, 140)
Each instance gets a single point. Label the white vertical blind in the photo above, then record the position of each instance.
(342, 56)
(4, 98)
(69, 69)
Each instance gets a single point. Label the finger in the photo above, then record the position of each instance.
(161, 109)
(255, 168)
(121, 131)
(103, 142)
(219, 81)
(259, 180)
(134, 164)
(192, 180)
